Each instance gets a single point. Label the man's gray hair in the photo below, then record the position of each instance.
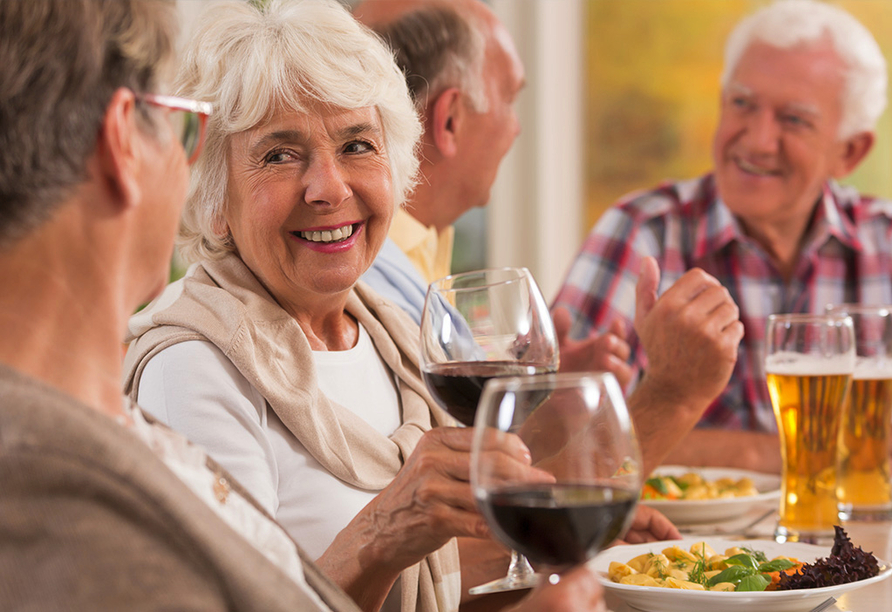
(251, 61)
(438, 47)
(788, 23)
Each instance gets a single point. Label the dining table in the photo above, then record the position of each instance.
(759, 523)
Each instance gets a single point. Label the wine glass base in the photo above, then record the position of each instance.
(508, 583)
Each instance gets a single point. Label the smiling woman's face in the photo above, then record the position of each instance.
(309, 202)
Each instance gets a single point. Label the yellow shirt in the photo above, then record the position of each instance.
(429, 252)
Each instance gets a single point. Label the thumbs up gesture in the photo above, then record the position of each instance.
(690, 335)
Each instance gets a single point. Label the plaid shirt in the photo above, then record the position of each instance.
(846, 257)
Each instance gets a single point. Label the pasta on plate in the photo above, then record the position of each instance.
(701, 568)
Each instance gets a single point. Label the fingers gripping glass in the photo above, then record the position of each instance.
(189, 119)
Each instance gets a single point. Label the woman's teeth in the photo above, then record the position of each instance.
(342, 233)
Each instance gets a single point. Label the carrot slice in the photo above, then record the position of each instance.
(775, 576)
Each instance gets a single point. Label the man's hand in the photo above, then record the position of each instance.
(607, 352)
(690, 335)
(649, 525)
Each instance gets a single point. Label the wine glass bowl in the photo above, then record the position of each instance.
(481, 325)
(582, 488)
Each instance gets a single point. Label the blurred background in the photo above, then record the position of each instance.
(621, 94)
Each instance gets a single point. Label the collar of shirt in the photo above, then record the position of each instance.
(429, 252)
(718, 226)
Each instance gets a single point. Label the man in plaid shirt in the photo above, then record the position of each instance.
(803, 87)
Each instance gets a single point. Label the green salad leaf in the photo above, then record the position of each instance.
(658, 484)
(758, 555)
(744, 560)
(733, 574)
(755, 582)
(681, 485)
(778, 565)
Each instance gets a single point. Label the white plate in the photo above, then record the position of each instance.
(659, 599)
(684, 512)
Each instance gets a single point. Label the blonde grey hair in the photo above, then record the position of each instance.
(438, 46)
(250, 61)
(789, 23)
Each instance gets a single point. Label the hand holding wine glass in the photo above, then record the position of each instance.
(579, 431)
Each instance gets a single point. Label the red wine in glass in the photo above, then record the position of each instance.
(558, 525)
(457, 386)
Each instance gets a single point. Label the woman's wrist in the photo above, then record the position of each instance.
(361, 560)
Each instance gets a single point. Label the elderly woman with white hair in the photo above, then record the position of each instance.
(302, 383)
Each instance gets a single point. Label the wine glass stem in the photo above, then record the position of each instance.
(519, 569)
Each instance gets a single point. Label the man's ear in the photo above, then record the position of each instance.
(118, 150)
(855, 149)
(445, 115)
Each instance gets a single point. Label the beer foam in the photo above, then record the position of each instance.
(873, 368)
(797, 364)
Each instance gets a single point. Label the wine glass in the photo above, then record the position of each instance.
(583, 491)
(481, 325)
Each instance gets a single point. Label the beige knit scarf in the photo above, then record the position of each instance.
(223, 302)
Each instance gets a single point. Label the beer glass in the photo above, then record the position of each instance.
(809, 362)
(862, 485)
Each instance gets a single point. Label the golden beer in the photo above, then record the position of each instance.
(808, 408)
(865, 434)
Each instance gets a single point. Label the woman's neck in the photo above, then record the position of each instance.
(323, 319)
(334, 331)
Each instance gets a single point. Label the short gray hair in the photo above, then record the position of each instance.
(250, 61)
(438, 47)
(788, 23)
(62, 63)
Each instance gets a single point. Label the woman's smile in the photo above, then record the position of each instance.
(330, 239)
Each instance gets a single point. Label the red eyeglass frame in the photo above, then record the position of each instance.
(202, 110)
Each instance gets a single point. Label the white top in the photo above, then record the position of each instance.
(187, 461)
(196, 390)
